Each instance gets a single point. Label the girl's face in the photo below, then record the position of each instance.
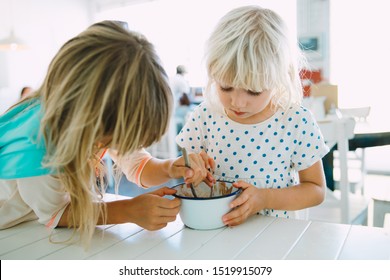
(245, 106)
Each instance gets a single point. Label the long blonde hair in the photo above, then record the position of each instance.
(250, 48)
(105, 83)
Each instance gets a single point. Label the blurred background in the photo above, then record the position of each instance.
(344, 42)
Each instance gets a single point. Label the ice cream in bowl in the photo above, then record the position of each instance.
(205, 211)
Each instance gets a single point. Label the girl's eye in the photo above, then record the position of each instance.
(255, 93)
(226, 88)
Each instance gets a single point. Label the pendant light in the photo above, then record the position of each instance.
(12, 42)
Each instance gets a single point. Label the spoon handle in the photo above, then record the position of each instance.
(187, 163)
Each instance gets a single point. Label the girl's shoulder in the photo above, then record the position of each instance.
(297, 111)
(24, 107)
(205, 109)
(203, 106)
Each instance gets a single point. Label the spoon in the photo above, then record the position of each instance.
(212, 187)
(187, 163)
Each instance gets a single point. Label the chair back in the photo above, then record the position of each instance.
(359, 114)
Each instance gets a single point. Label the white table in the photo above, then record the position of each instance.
(260, 237)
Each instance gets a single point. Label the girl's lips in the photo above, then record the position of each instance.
(238, 113)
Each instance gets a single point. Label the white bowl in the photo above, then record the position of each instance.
(205, 212)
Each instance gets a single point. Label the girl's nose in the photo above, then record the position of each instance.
(238, 99)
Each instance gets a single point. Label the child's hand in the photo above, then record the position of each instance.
(152, 211)
(201, 168)
(248, 203)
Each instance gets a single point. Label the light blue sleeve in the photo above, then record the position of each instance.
(22, 148)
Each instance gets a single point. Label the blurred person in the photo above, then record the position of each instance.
(182, 111)
(26, 91)
(179, 84)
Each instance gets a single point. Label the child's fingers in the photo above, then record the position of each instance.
(198, 168)
(208, 162)
(236, 216)
(164, 202)
(211, 163)
(240, 200)
(197, 164)
(164, 191)
(209, 180)
(160, 224)
(241, 184)
(201, 165)
(168, 214)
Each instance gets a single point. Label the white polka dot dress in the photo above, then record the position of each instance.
(267, 154)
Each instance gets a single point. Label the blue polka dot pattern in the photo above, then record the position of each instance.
(272, 152)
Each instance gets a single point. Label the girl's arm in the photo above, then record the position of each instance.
(157, 171)
(151, 211)
(144, 170)
(309, 192)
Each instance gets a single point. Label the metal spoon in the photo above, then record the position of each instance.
(187, 163)
(212, 187)
(211, 191)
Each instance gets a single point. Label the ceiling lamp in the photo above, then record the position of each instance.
(12, 43)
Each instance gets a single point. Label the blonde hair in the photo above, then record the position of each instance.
(105, 83)
(250, 49)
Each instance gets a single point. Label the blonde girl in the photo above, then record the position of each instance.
(105, 89)
(252, 124)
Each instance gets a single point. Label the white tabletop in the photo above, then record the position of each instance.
(259, 237)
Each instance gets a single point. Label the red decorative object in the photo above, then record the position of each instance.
(308, 78)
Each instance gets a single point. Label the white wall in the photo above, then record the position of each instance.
(180, 28)
(313, 21)
(44, 25)
(354, 53)
(357, 60)
(360, 55)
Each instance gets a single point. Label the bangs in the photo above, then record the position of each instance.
(244, 75)
(246, 57)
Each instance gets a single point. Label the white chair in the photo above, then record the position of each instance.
(337, 131)
(359, 113)
(356, 159)
(379, 213)
(386, 223)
